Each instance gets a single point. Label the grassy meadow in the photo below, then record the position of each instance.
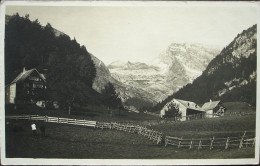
(68, 141)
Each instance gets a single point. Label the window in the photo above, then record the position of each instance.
(34, 78)
(37, 85)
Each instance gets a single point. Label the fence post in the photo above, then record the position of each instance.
(166, 141)
(211, 143)
(179, 145)
(227, 143)
(199, 147)
(158, 140)
(253, 143)
(148, 133)
(115, 125)
(241, 141)
(191, 143)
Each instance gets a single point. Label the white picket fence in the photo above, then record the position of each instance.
(55, 120)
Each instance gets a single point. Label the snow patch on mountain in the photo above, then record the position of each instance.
(125, 90)
(179, 65)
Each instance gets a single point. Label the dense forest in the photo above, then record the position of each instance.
(68, 66)
(224, 72)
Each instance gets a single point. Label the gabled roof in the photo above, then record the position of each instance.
(23, 75)
(187, 104)
(190, 105)
(210, 105)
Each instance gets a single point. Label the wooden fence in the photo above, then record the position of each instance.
(179, 142)
(149, 133)
(211, 143)
(55, 120)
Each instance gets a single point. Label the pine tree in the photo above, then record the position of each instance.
(111, 97)
(173, 111)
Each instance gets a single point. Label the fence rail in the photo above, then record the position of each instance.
(149, 133)
(55, 120)
(156, 136)
(211, 143)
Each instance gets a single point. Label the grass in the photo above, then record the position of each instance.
(239, 107)
(97, 113)
(67, 141)
(220, 127)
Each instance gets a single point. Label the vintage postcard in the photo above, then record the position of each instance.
(129, 83)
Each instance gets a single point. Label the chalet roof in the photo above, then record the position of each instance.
(210, 105)
(187, 104)
(23, 75)
(190, 105)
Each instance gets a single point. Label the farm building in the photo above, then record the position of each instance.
(188, 109)
(213, 109)
(28, 87)
(131, 109)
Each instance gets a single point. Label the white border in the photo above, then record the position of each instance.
(19, 161)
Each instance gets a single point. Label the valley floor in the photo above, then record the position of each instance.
(79, 142)
(66, 141)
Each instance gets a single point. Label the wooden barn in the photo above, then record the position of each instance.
(27, 88)
(188, 109)
(213, 109)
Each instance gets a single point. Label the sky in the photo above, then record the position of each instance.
(142, 33)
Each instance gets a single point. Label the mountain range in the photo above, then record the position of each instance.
(179, 65)
(230, 76)
(186, 71)
(125, 92)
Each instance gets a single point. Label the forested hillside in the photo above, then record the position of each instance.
(230, 76)
(68, 66)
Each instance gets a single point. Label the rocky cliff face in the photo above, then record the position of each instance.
(187, 60)
(241, 47)
(240, 57)
(125, 91)
(230, 76)
(179, 65)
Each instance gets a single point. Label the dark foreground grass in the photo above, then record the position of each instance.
(67, 141)
(96, 113)
(219, 127)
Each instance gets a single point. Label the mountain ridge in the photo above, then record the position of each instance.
(230, 76)
(168, 72)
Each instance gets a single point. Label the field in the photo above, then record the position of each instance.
(64, 141)
(68, 141)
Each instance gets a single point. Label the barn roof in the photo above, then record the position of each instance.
(190, 105)
(26, 73)
(210, 105)
(187, 104)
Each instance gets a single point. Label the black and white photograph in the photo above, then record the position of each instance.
(134, 82)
